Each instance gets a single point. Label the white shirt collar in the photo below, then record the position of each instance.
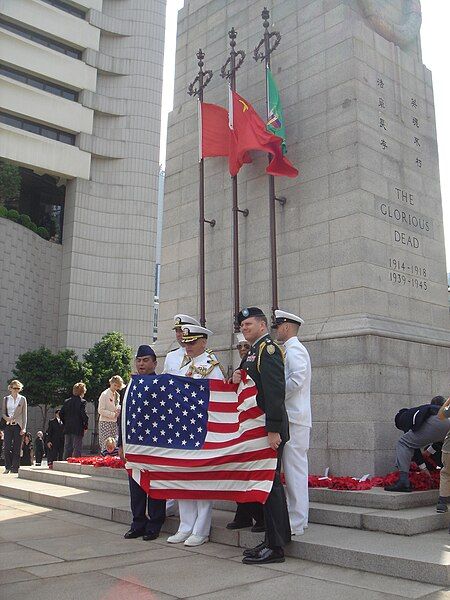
(290, 341)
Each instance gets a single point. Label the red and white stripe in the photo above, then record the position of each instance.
(235, 463)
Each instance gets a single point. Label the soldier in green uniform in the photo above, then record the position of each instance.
(265, 365)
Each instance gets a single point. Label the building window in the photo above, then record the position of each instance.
(40, 84)
(41, 39)
(76, 12)
(37, 128)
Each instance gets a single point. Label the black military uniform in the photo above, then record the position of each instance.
(265, 365)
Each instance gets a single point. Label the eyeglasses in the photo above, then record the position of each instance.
(243, 346)
(15, 388)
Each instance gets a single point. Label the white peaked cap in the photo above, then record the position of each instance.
(194, 332)
(281, 316)
(180, 320)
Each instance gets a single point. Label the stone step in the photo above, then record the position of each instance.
(408, 522)
(423, 559)
(66, 467)
(83, 481)
(374, 498)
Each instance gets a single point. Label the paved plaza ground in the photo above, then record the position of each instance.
(48, 553)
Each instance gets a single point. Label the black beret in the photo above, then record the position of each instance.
(252, 311)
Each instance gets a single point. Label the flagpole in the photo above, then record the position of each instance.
(257, 55)
(202, 80)
(234, 62)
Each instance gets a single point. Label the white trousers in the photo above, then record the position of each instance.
(295, 466)
(195, 516)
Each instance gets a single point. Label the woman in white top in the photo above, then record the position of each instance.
(14, 411)
(109, 410)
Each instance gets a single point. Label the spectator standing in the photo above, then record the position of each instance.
(26, 453)
(14, 411)
(109, 410)
(55, 439)
(39, 448)
(75, 420)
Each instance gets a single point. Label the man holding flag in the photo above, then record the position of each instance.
(264, 364)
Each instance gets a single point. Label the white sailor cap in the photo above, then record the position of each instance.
(240, 338)
(180, 320)
(281, 316)
(194, 332)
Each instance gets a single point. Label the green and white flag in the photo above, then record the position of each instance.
(275, 123)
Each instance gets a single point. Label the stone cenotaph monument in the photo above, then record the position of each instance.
(360, 238)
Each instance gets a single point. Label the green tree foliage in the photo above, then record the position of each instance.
(110, 356)
(9, 181)
(48, 377)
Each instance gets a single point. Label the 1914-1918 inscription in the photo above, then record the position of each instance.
(406, 272)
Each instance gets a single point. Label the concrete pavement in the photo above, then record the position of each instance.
(47, 553)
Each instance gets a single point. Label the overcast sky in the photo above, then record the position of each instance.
(434, 32)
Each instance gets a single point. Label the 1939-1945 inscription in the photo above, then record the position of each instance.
(406, 272)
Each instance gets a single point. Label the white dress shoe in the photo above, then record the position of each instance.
(196, 540)
(178, 537)
(298, 532)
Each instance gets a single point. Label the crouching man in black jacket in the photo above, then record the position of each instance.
(423, 427)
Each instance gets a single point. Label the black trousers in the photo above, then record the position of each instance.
(55, 453)
(13, 442)
(278, 528)
(72, 445)
(142, 504)
(246, 511)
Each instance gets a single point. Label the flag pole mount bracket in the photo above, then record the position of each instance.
(244, 212)
(282, 200)
(212, 222)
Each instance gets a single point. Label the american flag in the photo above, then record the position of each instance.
(196, 439)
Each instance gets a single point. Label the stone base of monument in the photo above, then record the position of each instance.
(393, 534)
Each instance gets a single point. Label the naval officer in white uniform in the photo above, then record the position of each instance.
(298, 406)
(176, 359)
(195, 515)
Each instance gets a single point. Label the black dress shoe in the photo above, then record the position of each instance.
(258, 528)
(238, 525)
(264, 557)
(398, 487)
(254, 551)
(131, 534)
(150, 536)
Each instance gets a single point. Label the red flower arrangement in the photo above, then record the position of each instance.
(420, 481)
(113, 462)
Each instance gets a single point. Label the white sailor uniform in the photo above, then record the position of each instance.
(295, 456)
(175, 360)
(195, 515)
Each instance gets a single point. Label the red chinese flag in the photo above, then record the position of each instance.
(249, 133)
(214, 132)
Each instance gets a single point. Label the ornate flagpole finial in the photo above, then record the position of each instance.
(264, 49)
(202, 79)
